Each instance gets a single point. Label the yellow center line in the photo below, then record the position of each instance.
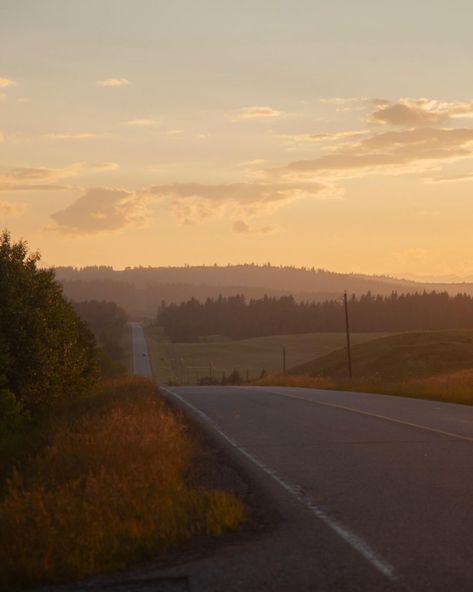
(376, 415)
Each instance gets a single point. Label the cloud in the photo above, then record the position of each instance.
(195, 202)
(411, 112)
(8, 208)
(346, 103)
(142, 122)
(242, 227)
(70, 136)
(5, 82)
(101, 209)
(43, 178)
(113, 82)
(326, 137)
(259, 112)
(451, 178)
(393, 151)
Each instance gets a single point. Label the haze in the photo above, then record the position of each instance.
(336, 134)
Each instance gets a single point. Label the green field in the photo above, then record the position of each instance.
(185, 363)
(397, 358)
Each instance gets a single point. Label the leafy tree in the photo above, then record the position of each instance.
(46, 351)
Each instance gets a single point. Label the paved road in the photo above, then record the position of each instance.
(141, 363)
(377, 491)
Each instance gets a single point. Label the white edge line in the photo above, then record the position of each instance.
(368, 413)
(355, 541)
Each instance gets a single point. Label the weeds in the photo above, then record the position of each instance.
(454, 387)
(108, 489)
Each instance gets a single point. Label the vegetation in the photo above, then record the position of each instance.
(432, 365)
(190, 362)
(236, 318)
(397, 357)
(108, 323)
(46, 351)
(108, 487)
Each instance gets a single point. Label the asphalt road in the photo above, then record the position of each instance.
(377, 490)
(141, 363)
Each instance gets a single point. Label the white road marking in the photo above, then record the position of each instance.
(355, 541)
(370, 414)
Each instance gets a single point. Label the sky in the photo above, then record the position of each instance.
(333, 134)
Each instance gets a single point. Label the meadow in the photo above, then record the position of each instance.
(185, 363)
(434, 365)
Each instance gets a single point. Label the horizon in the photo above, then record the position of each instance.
(186, 133)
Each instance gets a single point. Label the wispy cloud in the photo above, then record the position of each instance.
(195, 202)
(46, 179)
(8, 208)
(143, 122)
(242, 227)
(342, 104)
(6, 82)
(113, 82)
(388, 152)
(101, 209)
(259, 112)
(410, 112)
(326, 137)
(70, 136)
(460, 178)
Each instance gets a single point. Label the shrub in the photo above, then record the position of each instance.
(108, 489)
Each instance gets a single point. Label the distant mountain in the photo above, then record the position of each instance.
(139, 290)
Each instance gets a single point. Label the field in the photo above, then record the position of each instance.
(431, 365)
(185, 363)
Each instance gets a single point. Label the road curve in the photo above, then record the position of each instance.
(378, 489)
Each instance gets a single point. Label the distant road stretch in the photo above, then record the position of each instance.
(141, 363)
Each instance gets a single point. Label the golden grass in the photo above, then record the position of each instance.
(108, 489)
(454, 387)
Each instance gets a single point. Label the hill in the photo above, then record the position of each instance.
(139, 290)
(397, 358)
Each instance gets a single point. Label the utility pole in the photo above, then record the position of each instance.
(210, 370)
(347, 327)
(284, 360)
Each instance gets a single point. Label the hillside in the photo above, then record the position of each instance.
(397, 358)
(186, 362)
(139, 290)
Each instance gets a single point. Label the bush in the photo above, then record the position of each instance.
(108, 489)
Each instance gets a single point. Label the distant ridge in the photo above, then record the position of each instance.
(139, 290)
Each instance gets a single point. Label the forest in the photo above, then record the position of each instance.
(237, 318)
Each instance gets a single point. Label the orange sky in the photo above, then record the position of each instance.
(335, 135)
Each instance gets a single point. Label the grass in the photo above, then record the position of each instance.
(397, 358)
(108, 488)
(186, 362)
(434, 365)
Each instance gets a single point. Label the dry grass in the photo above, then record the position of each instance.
(108, 489)
(454, 387)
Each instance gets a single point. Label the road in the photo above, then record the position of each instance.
(141, 363)
(384, 483)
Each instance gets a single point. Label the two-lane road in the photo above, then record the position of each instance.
(386, 483)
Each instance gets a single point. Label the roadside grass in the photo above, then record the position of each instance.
(455, 387)
(187, 362)
(108, 487)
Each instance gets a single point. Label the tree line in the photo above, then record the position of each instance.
(238, 318)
